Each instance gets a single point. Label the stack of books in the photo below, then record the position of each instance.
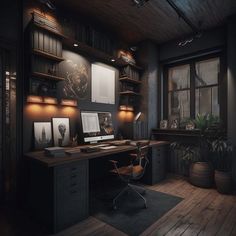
(54, 152)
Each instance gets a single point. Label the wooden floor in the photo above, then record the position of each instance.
(202, 212)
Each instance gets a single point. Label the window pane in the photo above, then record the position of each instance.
(179, 104)
(207, 101)
(179, 77)
(207, 72)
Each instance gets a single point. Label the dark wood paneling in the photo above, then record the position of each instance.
(156, 20)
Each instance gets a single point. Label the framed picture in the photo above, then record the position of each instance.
(42, 135)
(61, 131)
(163, 124)
(190, 126)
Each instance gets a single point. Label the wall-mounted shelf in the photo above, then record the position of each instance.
(47, 55)
(129, 80)
(47, 29)
(130, 93)
(47, 76)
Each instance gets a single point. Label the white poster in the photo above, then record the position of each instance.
(103, 84)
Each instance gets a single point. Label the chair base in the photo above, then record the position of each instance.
(126, 189)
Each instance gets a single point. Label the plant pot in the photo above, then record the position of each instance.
(223, 181)
(201, 174)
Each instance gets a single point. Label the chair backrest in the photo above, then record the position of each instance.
(142, 156)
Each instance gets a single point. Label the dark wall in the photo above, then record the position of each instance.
(10, 12)
(231, 57)
(149, 57)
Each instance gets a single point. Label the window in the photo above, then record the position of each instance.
(192, 88)
(179, 91)
(206, 82)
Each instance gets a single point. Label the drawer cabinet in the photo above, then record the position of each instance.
(156, 168)
(59, 195)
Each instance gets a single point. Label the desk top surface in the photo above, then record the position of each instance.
(40, 156)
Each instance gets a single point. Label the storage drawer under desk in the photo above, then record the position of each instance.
(156, 168)
(71, 194)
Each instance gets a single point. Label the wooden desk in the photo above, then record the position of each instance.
(59, 187)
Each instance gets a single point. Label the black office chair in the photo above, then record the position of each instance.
(132, 172)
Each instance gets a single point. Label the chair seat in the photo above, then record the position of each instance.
(129, 170)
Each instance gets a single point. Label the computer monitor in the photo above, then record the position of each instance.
(97, 126)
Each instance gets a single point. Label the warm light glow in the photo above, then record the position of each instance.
(126, 108)
(69, 102)
(34, 109)
(34, 99)
(69, 111)
(50, 110)
(50, 100)
(127, 116)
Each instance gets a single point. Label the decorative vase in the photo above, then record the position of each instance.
(201, 174)
(223, 181)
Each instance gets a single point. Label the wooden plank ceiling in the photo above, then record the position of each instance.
(156, 20)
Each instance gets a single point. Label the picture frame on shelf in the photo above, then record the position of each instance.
(174, 122)
(42, 135)
(61, 131)
(163, 124)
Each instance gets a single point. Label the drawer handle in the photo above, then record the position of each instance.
(73, 191)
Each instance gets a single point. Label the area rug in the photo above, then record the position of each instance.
(131, 217)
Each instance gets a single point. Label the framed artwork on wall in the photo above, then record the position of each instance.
(61, 131)
(42, 135)
(103, 84)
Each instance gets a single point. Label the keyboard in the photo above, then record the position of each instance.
(108, 147)
(102, 145)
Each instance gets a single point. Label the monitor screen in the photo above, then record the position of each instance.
(97, 126)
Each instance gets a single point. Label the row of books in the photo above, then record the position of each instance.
(44, 65)
(43, 41)
(129, 72)
(128, 87)
(94, 38)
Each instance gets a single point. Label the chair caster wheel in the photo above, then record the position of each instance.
(145, 206)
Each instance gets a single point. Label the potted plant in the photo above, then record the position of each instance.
(187, 152)
(201, 172)
(222, 149)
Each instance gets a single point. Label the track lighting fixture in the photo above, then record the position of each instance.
(139, 3)
(49, 4)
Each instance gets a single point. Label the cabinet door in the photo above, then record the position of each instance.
(159, 157)
(71, 194)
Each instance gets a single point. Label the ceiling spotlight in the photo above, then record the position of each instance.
(139, 3)
(133, 48)
(49, 4)
(75, 44)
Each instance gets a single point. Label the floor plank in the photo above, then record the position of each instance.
(203, 212)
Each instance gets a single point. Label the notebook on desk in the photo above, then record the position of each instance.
(119, 142)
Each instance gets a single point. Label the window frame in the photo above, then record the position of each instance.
(222, 84)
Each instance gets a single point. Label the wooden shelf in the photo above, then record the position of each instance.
(177, 132)
(47, 76)
(129, 80)
(131, 65)
(47, 55)
(94, 52)
(55, 32)
(130, 93)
